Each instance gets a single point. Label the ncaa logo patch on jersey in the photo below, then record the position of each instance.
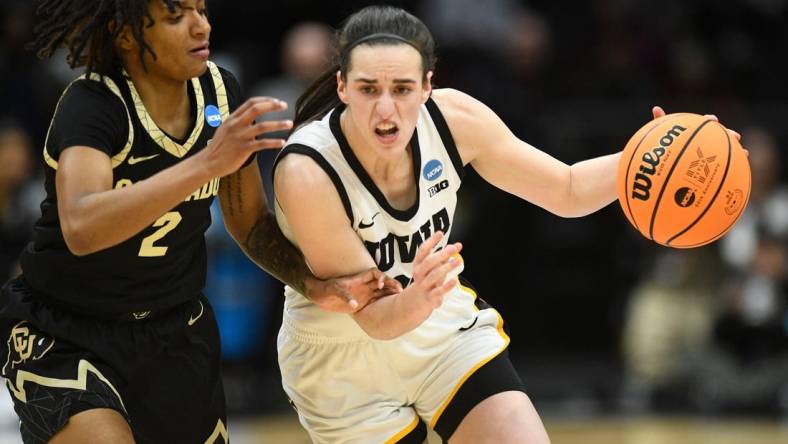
(213, 116)
(433, 169)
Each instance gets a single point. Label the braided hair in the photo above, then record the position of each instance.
(89, 28)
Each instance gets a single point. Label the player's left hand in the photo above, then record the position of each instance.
(658, 112)
(349, 294)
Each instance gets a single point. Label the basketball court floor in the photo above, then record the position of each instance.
(284, 429)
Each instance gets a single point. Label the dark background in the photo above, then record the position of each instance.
(574, 79)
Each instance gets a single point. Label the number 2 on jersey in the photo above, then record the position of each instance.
(168, 222)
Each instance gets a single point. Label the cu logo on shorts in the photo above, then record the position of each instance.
(27, 344)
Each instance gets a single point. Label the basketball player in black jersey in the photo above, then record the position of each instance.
(109, 339)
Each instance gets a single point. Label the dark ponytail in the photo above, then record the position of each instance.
(373, 25)
(320, 98)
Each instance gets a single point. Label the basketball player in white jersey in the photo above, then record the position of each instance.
(369, 178)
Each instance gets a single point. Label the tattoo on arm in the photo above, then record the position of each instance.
(234, 193)
(268, 247)
(228, 186)
(239, 197)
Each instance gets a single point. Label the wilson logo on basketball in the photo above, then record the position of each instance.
(641, 186)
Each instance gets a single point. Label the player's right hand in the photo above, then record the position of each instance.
(430, 269)
(237, 137)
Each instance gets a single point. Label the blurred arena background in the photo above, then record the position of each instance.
(618, 340)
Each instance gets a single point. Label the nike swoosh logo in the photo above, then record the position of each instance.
(133, 160)
(192, 320)
(362, 225)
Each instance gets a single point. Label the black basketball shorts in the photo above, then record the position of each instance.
(161, 371)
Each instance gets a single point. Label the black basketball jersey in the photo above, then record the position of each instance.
(163, 265)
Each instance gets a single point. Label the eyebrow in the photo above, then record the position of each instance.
(179, 4)
(373, 81)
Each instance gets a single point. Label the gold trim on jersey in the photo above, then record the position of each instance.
(404, 432)
(158, 136)
(220, 430)
(80, 383)
(221, 91)
(478, 365)
(499, 326)
(116, 159)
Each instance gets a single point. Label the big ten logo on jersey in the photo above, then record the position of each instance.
(207, 191)
(386, 254)
(435, 189)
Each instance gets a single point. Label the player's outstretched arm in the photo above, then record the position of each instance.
(508, 163)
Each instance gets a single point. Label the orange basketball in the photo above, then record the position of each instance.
(683, 180)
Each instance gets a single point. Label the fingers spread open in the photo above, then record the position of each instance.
(441, 290)
(437, 275)
(264, 144)
(256, 106)
(270, 126)
(253, 101)
(427, 247)
(440, 257)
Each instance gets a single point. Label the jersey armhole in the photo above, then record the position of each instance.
(116, 159)
(446, 137)
(323, 163)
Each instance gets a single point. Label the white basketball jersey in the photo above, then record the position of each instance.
(348, 387)
(391, 236)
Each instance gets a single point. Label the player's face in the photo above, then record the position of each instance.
(179, 39)
(384, 89)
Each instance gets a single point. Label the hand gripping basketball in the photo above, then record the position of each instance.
(683, 179)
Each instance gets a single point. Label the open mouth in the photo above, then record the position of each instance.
(386, 130)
